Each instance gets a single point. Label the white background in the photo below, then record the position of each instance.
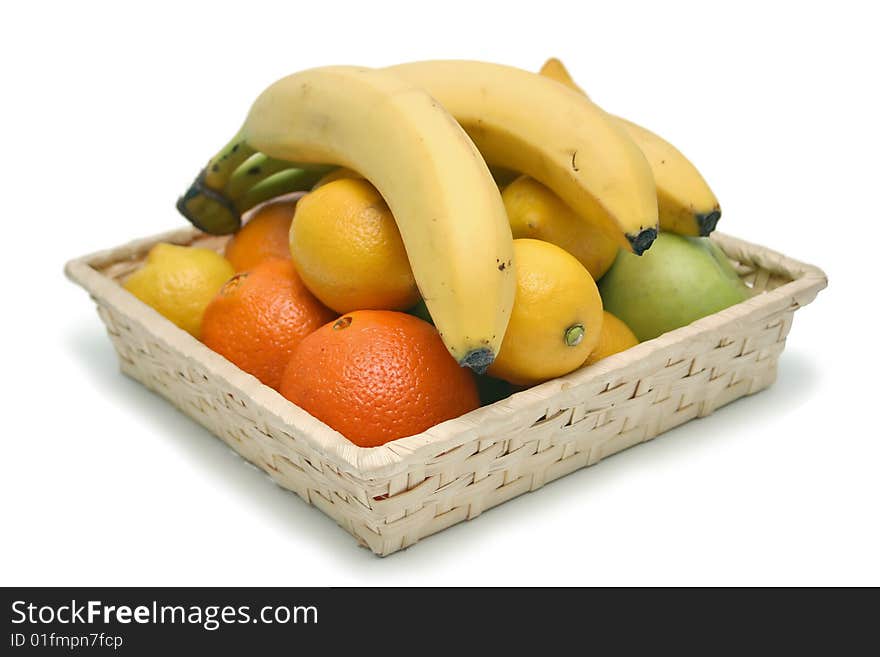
(109, 111)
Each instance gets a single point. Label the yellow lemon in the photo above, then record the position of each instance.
(179, 282)
(556, 318)
(535, 212)
(614, 338)
(348, 251)
(337, 174)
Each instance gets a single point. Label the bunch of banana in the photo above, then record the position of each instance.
(686, 204)
(423, 135)
(435, 182)
(526, 123)
(520, 122)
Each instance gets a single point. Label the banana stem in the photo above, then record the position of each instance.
(253, 170)
(222, 165)
(280, 183)
(204, 204)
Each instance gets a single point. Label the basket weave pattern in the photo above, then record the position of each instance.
(389, 497)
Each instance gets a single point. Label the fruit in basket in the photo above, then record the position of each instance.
(536, 212)
(685, 202)
(348, 251)
(377, 375)
(179, 282)
(679, 281)
(442, 196)
(614, 338)
(526, 122)
(556, 319)
(259, 316)
(265, 236)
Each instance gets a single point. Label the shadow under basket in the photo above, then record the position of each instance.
(391, 496)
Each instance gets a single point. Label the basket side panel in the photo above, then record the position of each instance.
(696, 379)
(202, 396)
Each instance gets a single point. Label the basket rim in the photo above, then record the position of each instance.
(394, 457)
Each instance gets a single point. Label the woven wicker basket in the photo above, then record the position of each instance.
(389, 497)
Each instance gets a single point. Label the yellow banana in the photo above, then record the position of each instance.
(525, 122)
(686, 204)
(445, 202)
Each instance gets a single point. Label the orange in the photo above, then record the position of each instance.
(264, 236)
(348, 250)
(614, 337)
(259, 316)
(377, 375)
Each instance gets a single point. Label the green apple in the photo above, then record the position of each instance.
(678, 280)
